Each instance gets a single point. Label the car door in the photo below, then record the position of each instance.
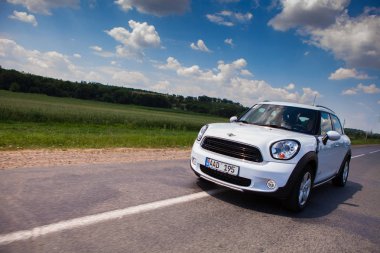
(328, 153)
(341, 144)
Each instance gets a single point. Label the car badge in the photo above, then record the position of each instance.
(231, 135)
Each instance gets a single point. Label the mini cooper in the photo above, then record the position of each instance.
(275, 148)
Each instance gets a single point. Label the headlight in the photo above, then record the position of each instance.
(285, 149)
(202, 132)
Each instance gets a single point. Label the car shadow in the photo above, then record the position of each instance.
(324, 200)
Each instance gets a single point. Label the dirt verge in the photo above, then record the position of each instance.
(48, 157)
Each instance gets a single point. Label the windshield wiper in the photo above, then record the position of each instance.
(274, 126)
(243, 121)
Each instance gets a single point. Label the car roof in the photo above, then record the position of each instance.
(312, 107)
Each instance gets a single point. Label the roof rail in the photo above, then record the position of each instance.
(325, 108)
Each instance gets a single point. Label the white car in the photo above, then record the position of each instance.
(275, 148)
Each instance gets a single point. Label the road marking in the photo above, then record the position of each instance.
(374, 151)
(101, 217)
(357, 156)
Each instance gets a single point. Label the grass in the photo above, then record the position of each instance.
(39, 121)
(23, 107)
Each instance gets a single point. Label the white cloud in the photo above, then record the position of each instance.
(214, 18)
(96, 48)
(45, 6)
(155, 7)
(229, 18)
(328, 26)
(370, 89)
(343, 73)
(161, 86)
(351, 91)
(141, 36)
(290, 86)
(135, 41)
(354, 40)
(42, 63)
(307, 13)
(229, 41)
(123, 77)
(57, 65)
(229, 80)
(77, 56)
(245, 72)
(378, 102)
(200, 46)
(306, 53)
(100, 52)
(24, 17)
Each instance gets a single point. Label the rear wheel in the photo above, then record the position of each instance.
(341, 178)
(300, 195)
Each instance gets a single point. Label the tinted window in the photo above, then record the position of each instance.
(325, 123)
(336, 124)
(286, 117)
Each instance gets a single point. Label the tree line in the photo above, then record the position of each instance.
(28, 83)
(360, 134)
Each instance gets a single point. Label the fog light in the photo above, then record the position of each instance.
(271, 184)
(194, 160)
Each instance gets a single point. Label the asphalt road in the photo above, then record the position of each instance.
(71, 209)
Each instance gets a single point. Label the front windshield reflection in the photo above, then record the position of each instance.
(285, 117)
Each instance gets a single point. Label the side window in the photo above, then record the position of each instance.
(336, 124)
(325, 123)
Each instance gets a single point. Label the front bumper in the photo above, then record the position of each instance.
(257, 173)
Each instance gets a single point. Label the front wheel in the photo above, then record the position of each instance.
(342, 176)
(300, 195)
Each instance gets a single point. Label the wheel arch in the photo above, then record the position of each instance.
(309, 159)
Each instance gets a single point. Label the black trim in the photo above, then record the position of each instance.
(283, 192)
(324, 181)
(232, 149)
(325, 107)
(236, 180)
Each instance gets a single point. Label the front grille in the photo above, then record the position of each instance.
(242, 181)
(233, 149)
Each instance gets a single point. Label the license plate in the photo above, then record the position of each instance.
(222, 167)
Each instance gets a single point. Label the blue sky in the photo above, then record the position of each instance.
(247, 51)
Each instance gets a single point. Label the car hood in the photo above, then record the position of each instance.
(259, 136)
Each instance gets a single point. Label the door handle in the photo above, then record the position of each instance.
(336, 145)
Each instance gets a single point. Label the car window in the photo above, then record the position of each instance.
(325, 123)
(336, 124)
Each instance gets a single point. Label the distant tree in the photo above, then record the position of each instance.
(14, 87)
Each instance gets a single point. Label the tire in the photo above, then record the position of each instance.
(342, 176)
(301, 192)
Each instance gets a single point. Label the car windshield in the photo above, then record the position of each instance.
(285, 117)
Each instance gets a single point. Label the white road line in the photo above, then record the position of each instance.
(101, 217)
(357, 156)
(374, 151)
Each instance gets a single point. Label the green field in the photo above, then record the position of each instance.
(39, 121)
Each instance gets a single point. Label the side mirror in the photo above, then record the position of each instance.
(233, 119)
(330, 135)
